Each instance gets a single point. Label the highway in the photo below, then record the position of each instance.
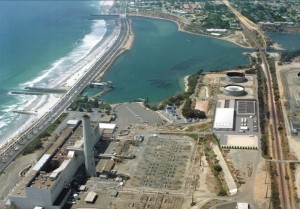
(42, 124)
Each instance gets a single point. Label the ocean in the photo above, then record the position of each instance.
(40, 42)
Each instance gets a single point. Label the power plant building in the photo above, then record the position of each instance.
(47, 184)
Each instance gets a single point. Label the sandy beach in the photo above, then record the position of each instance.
(186, 83)
(42, 104)
(277, 46)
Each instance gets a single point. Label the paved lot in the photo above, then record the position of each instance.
(11, 176)
(135, 113)
(240, 141)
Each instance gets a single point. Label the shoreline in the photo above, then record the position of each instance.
(51, 99)
(180, 28)
(42, 104)
(78, 74)
(186, 83)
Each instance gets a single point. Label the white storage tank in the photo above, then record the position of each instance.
(234, 90)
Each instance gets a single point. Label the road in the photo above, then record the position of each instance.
(42, 124)
(248, 28)
(246, 22)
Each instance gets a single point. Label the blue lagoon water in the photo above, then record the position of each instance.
(161, 56)
(39, 41)
(289, 41)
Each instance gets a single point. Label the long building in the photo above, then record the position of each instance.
(47, 184)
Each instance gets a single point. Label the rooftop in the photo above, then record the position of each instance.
(224, 118)
(111, 126)
(50, 170)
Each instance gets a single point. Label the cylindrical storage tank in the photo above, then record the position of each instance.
(298, 75)
(234, 90)
(235, 77)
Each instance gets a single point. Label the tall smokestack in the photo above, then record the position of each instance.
(88, 147)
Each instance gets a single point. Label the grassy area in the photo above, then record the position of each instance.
(265, 145)
(38, 142)
(274, 79)
(214, 164)
(289, 56)
(262, 99)
(274, 186)
(199, 127)
(83, 103)
(216, 169)
(34, 145)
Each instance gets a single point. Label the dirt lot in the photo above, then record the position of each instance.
(202, 105)
(161, 163)
(11, 175)
(288, 85)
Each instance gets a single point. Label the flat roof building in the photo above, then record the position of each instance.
(90, 198)
(47, 184)
(110, 126)
(224, 119)
(242, 206)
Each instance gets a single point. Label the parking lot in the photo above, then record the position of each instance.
(246, 117)
(172, 115)
(135, 113)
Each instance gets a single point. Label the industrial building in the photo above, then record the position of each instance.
(107, 130)
(235, 77)
(47, 184)
(238, 118)
(239, 115)
(234, 90)
(224, 115)
(224, 119)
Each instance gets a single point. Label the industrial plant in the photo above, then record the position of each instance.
(238, 122)
(234, 90)
(47, 184)
(235, 77)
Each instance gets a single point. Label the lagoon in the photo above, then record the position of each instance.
(161, 56)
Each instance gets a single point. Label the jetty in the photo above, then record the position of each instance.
(46, 90)
(25, 112)
(103, 16)
(27, 93)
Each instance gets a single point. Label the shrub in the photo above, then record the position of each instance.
(218, 168)
(222, 192)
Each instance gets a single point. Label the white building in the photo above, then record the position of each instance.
(47, 184)
(242, 206)
(224, 119)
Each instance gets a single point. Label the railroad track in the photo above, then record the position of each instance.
(248, 29)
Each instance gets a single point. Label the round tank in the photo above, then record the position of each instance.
(298, 75)
(234, 90)
(235, 77)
